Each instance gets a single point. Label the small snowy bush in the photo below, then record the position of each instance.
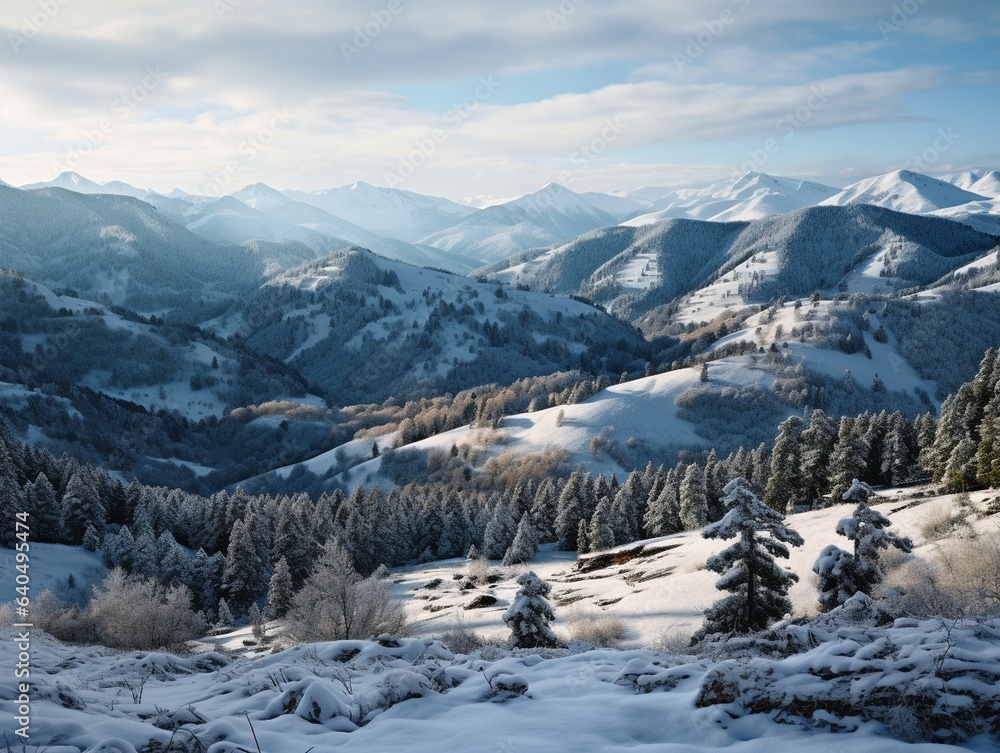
(530, 614)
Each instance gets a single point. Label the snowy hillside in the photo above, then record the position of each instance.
(633, 270)
(362, 328)
(904, 191)
(119, 246)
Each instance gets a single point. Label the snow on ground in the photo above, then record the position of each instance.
(50, 566)
(842, 673)
(641, 273)
(706, 303)
(662, 593)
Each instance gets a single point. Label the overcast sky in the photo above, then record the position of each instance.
(494, 97)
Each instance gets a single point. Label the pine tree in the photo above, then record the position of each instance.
(45, 510)
(785, 487)
(280, 590)
(663, 516)
(500, 531)
(11, 503)
(91, 539)
(570, 510)
(694, 498)
(257, 622)
(817, 446)
(223, 615)
(962, 468)
(525, 544)
(758, 587)
(530, 614)
(602, 534)
(82, 506)
(629, 508)
(842, 574)
(543, 510)
(246, 575)
(847, 460)
(988, 452)
(293, 541)
(583, 537)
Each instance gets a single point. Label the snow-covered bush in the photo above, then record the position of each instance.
(336, 603)
(599, 630)
(530, 614)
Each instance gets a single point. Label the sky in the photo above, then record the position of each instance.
(494, 97)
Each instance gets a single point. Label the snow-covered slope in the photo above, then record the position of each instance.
(816, 248)
(391, 212)
(538, 219)
(120, 246)
(904, 191)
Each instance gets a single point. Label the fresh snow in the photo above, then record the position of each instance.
(904, 191)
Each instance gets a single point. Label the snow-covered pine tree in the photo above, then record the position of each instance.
(530, 614)
(257, 622)
(583, 537)
(602, 532)
(817, 440)
(663, 515)
(500, 531)
(82, 506)
(293, 541)
(843, 574)
(46, 513)
(758, 587)
(223, 615)
(280, 589)
(848, 457)
(988, 452)
(543, 510)
(246, 575)
(571, 508)
(785, 486)
(694, 498)
(867, 529)
(525, 544)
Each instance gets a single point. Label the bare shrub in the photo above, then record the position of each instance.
(605, 630)
(461, 639)
(130, 613)
(336, 603)
(962, 580)
(945, 520)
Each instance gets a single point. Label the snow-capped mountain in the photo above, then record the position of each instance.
(259, 212)
(748, 197)
(904, 191)
(538, 219)
(73, 181)
(984, 182)
(390, 212)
